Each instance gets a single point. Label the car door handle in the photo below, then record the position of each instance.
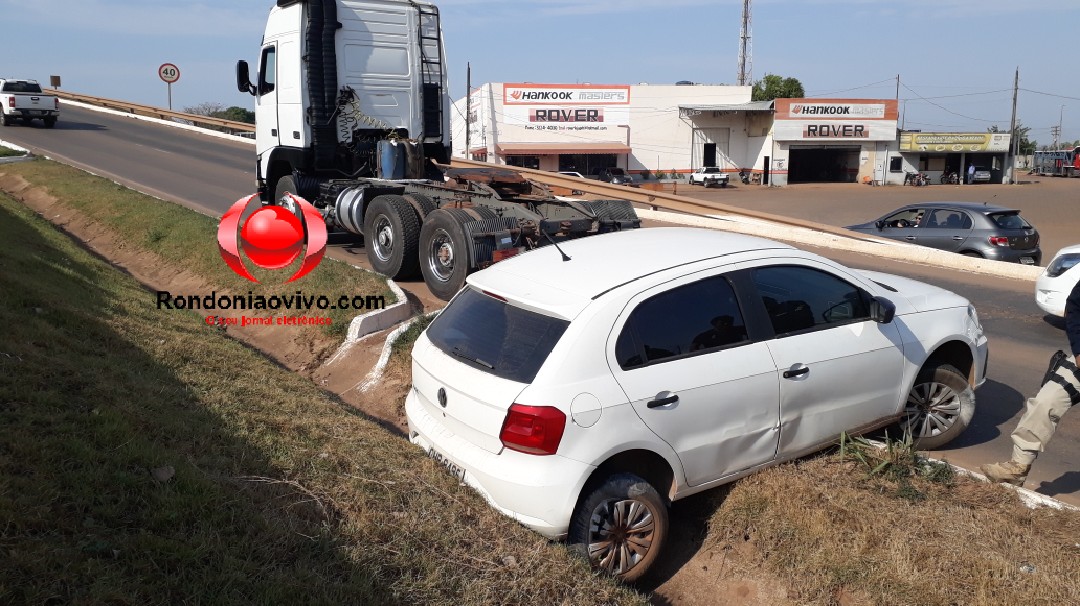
(909, 237)
(791, 374)
(958, 238)
(662, 400)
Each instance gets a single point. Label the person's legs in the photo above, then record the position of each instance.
(1037, 426)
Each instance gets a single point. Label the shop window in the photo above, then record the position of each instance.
(896, 164)
(524, 161)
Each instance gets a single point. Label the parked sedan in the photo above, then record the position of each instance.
(582, 396)
(1058, 279)
(969, 228)
(616, 176)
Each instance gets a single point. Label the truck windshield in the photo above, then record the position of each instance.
(489, 334)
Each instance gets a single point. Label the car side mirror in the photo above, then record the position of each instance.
(880, 224)
(882, 310)
(243, 78)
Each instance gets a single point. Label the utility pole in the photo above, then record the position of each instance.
(745, 62)
(1014, 142)
(468, 109)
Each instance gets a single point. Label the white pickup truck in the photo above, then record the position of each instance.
(709, 175)
(25, 100)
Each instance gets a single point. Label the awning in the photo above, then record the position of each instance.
(751, 107)
(551, 149)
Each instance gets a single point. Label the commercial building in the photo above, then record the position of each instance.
(661, 129)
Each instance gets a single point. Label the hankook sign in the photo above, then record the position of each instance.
(565, 94)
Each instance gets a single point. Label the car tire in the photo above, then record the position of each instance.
(5, 119)
(392, 237)
(629, 508)
(50, 122)
(939, 407)
(973, 254)
(444, 252)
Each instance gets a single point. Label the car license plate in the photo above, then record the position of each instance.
(1027, 260)
(455, 470)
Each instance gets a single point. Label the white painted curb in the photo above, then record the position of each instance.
(380, 319)
(898, 251)
(10, 145)
(374, 376)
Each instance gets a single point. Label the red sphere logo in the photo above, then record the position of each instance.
(272, 237)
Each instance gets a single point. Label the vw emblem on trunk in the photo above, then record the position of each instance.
(442, 397)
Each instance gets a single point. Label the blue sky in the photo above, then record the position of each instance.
(955, 58)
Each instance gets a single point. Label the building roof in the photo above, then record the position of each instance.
(753, 106)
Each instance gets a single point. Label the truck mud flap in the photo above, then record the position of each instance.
(486, 231)
(613, 214)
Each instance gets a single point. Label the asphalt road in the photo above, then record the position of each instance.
(209, 174)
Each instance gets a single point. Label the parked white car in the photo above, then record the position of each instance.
(582, 396)
(1055, 283)
(709, 176)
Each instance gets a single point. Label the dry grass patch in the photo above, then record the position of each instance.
(184, 240)
(147, 459)
(844, 528)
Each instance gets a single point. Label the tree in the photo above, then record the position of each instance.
(236, 114)
(206, 108)
(775, 87)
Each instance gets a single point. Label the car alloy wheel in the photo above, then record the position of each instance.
(939, 407)
(620, 526)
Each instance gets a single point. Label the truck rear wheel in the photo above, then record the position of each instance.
(444, 253)
(50, 122)
(392, 237)
(5, 119)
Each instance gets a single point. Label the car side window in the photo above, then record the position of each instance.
(687, 320)
(904, 218)
(800, 298)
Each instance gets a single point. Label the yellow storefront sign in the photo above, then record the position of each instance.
(954, 142)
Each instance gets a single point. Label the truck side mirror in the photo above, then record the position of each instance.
(243, 78)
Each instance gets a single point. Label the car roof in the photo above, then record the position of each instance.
(541, 280)
(977, 207)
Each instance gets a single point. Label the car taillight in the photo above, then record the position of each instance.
(11, 101)
(56, 103)
(999, 240)
(533, 429)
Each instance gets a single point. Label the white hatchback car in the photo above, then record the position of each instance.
(1055, 283)
(581, 397)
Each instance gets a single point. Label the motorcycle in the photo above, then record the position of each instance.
(916, 179)
(744, 176)
(950, 178)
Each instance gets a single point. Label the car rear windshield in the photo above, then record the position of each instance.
(22, 87)
(1011, 220)
(487, 333)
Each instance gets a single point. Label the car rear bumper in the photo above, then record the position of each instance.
(35, 113)
(538, 491)
(1009, 255)
(1051, 293)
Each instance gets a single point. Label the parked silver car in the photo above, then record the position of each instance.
(969, 228)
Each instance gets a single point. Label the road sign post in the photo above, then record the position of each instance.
(169, 73)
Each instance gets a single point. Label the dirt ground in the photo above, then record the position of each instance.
(692, 577)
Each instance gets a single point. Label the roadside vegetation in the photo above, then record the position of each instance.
(7, 152)
(186, 241)
(146, 458)
(865, 525)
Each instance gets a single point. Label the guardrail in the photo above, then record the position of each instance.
(230, 126)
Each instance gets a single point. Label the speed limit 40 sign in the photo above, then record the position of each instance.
(169, 72)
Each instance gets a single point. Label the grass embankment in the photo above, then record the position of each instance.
(146, 458)
(887, 527)
(7, 152)
(186, 240)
